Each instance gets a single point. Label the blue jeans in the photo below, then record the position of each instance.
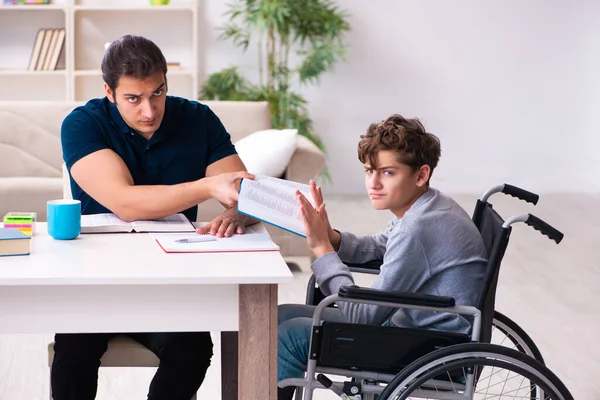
(294, 327)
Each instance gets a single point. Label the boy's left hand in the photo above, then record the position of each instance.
(315, 226)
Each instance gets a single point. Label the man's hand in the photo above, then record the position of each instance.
(224, 187)
(316, 226)
(225, 225)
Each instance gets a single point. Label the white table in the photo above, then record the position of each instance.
(126, 283)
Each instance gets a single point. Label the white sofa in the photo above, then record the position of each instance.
(31, 157)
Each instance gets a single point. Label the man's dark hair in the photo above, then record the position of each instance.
(413, 145)
(132, 56)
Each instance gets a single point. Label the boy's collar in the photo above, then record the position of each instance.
(422, 198)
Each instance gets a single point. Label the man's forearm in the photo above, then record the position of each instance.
(157, 201)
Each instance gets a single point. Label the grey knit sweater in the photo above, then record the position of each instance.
(433, 249)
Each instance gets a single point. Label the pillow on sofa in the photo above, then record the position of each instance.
(268, 152)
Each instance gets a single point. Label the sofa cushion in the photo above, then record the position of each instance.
(268, 152)
(241, 118)
(27, 149)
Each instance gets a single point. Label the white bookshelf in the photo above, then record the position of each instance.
(120, 7)
(34, 7)
(89, 24)
(17, 72)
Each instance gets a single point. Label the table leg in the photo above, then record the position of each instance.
(229, 365)
(257, 367)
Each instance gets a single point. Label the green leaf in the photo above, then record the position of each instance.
(227, 84)
(320, 58)
(318, 20)
(239, 36)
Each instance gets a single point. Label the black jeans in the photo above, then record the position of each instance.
(184, 359)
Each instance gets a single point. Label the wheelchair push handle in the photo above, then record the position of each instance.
(521, 194)
(545, 228)
(511, 190)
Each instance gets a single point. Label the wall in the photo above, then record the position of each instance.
(510, 88)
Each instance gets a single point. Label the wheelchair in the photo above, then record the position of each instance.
(387, 362)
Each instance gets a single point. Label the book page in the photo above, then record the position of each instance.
(274, 201)
(172, 223)
(104, 223)
(283, 182)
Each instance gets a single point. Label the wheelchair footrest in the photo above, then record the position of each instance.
(382, 349)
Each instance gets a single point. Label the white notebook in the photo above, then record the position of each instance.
(255, 238)
(110, 223)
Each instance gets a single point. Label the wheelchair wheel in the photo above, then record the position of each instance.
(476, 371)
(506, 332)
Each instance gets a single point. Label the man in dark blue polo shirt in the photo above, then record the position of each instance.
(142, 155)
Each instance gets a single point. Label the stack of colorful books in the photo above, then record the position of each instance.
(22, 221)
(26, 1)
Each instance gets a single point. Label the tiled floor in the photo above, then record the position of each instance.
(552, 291)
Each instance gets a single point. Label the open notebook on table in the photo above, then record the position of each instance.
(255, 238)
(110, 223)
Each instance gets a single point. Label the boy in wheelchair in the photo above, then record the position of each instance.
(431, 246)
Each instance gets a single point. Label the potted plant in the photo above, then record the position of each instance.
(311, 30)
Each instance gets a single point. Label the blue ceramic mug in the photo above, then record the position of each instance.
(64, 219)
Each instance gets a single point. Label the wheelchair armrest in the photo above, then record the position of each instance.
(356, 292)
(371, 267)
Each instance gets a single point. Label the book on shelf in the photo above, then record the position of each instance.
(37, 48)
(44, 49)
(56, 49)
(51, 45)
(13, 242)
(47, 48)
(110, 223)
(254, 238)
(274, 201)
(26, 1)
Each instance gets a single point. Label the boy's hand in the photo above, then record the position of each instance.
(316, 226)
(317, 195)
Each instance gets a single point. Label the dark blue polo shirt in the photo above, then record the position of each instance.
(190, 138)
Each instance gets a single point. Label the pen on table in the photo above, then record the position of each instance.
(197, 239)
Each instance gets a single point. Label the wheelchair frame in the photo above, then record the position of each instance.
(443, 304)
(518, 337)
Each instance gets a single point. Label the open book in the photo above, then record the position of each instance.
(110, 223)
(274, 201)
